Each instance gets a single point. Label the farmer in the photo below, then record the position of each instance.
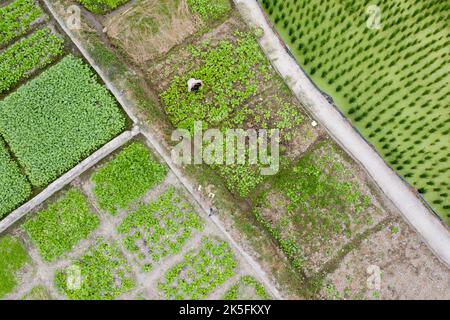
(194, 85)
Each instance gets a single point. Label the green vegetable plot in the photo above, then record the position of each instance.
(12, 258)
(14, 186)
(126, 178)
(160, 228)
(229, 73)
(235, 73)
(200, 273)
(57, 119)
(247, 288)
(16, 19)
(62, 225)
(101, 6)
(101, 274)
(27, 55)
(386, 64)
(210, 10)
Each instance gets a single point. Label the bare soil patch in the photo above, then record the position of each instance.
(150, 28)
(408, 269)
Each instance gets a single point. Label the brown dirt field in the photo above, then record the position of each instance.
(150, 28)
(408, 269)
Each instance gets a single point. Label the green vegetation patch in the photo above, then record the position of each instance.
(247, 288)
(312, 205)
(240, 91)
(210, 10)
(102, 6)
(14, 186)
(16, 19)
(386, 64)
(57, 119)
(101, 274)
(126, 178)
(200, 272)
(57, 229)
(228, 72)
(159, 229)
(38, 292)
(27, 55)
(12, 258)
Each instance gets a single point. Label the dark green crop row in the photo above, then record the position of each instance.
(16, 19)
(27, 55)
(57, 119)
(14, 187)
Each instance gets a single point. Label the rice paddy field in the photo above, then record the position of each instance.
(386, 64)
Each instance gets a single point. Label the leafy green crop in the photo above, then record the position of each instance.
(16, 19)
(228, 72)
(200, 272)
(233, 72)
(246, 288)
(126, 178)
(210, 9)
(12, 257)
(62, 225)
(101, 6)
(27, 55)
(160, 228)
(14, 186)
(57, 119)
(104, 272)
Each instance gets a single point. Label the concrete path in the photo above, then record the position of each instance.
(435, 234)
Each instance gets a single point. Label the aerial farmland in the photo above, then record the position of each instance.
(391, 81)
(338, 180)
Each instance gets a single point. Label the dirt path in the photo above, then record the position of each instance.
(435, 234)
(165, 155)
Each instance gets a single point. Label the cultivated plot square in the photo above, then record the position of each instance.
(160, 228)
(58, 228)
(127, 177)
(57, 119)
(201, 271)
(100, 274)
